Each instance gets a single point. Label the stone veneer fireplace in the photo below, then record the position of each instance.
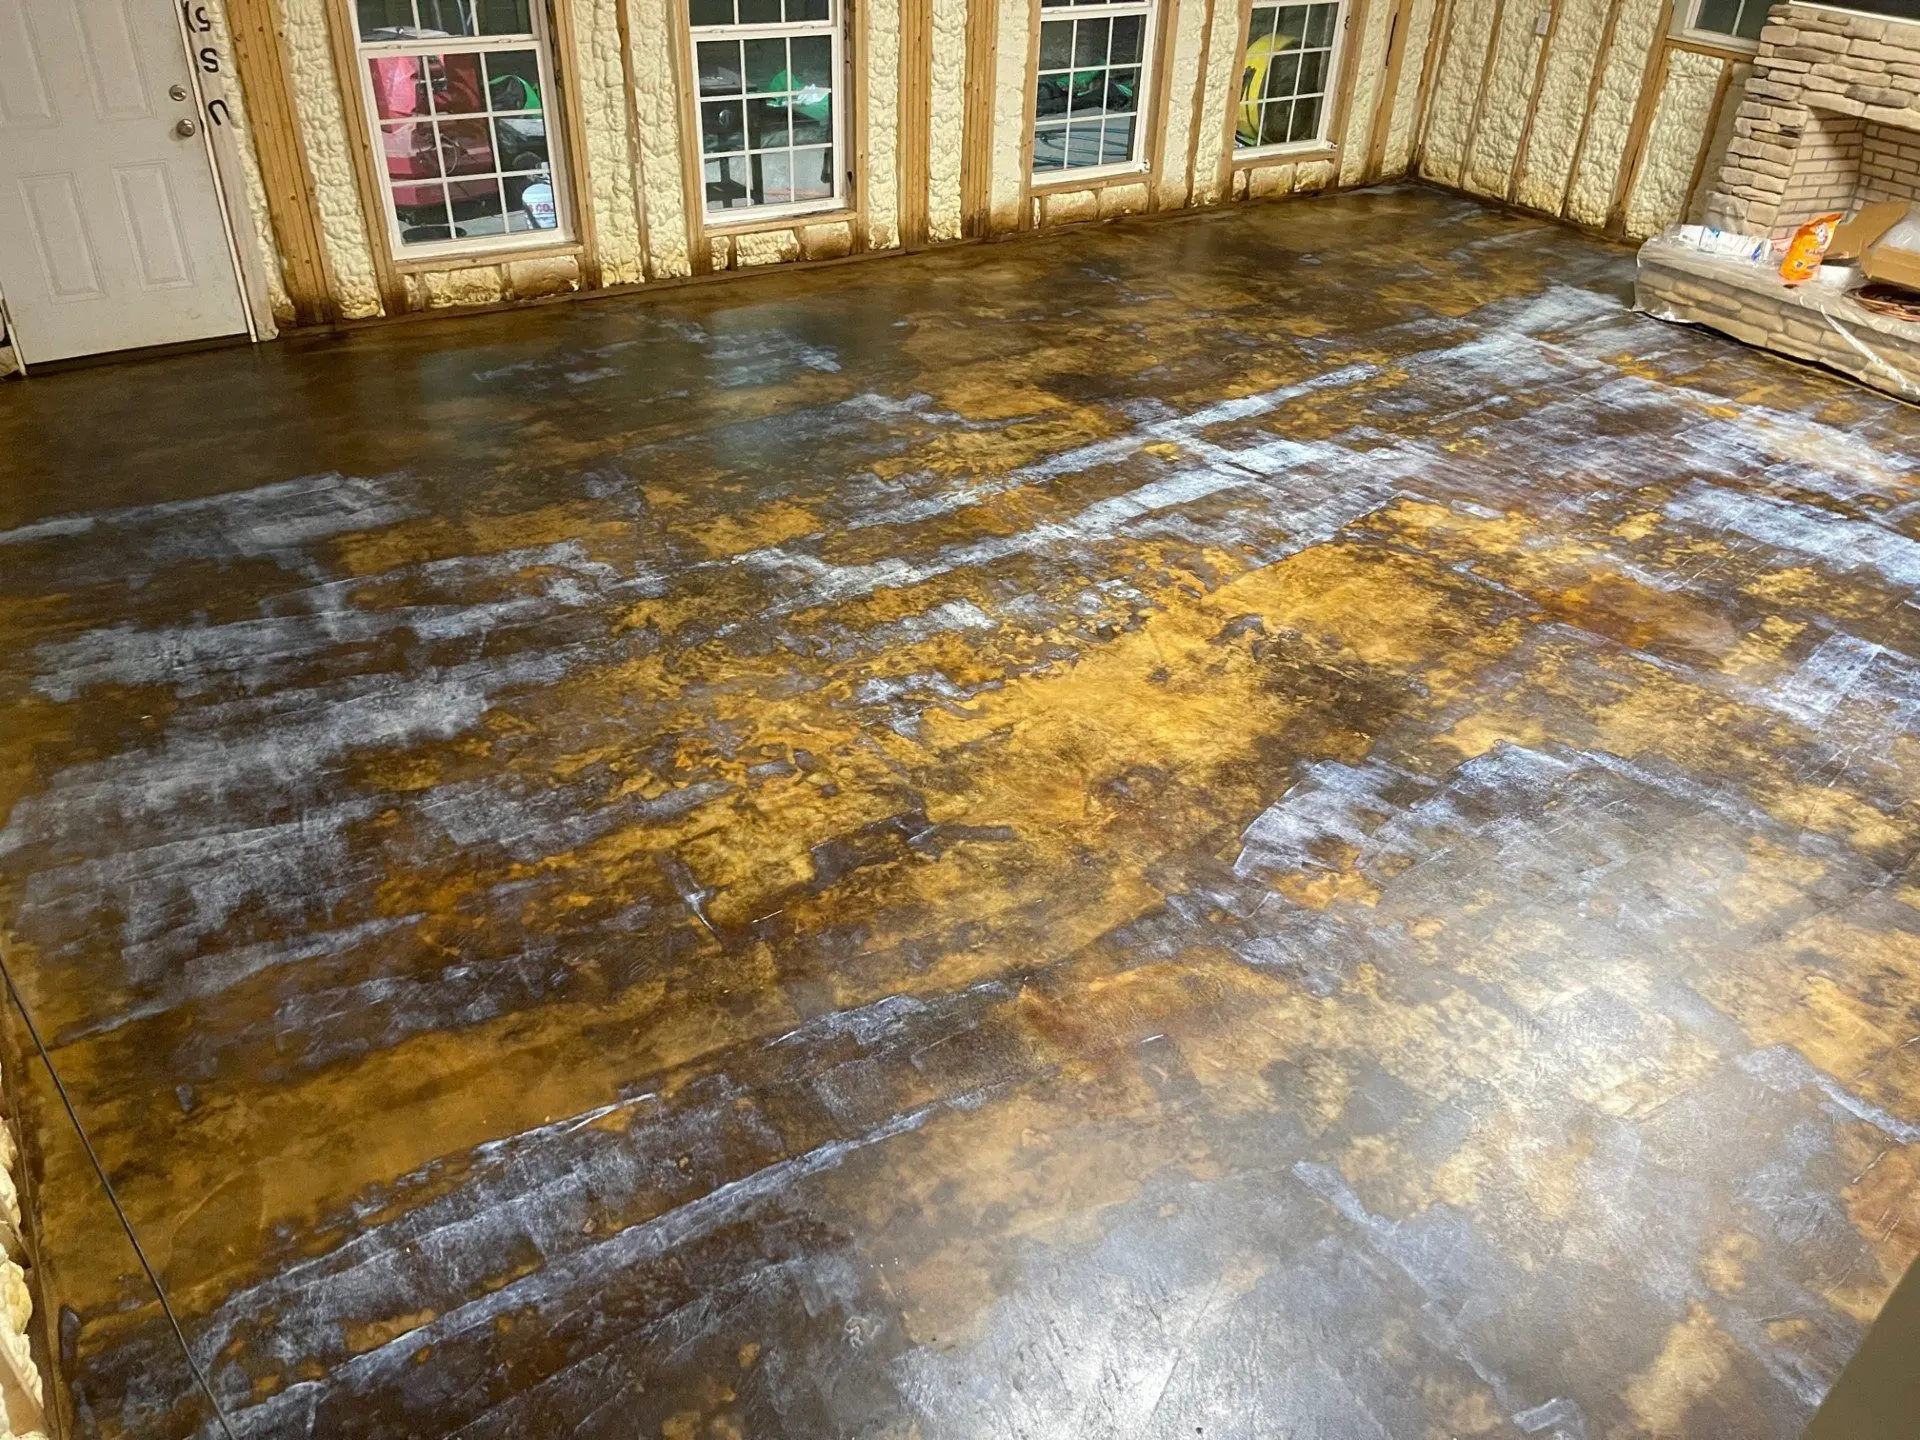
(1830, 120)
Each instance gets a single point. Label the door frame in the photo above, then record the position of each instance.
(213, 61)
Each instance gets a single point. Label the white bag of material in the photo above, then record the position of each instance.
(1709, 241)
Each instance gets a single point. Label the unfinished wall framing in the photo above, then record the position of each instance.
(1593, 111)
(1583, 109)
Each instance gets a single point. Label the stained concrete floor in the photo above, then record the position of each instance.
(1285, 824)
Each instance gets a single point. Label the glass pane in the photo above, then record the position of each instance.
(1275, 121)
(1320, 25)
(719, 65)
(812, 62)
(1128, 31)
(476, 207)
(1313, 72)
(720, 130)
(513, 80)
(382, 19)
(422, 212)
(767, 124)
(812, 112)
(803, 10)
(711, 12)
(399, 88)
(1051, 94)
(1306, 120)
(466, 147)
(530, 204)
(521, 144)
(759, 12)
(766, 66)
(1090, 41)
(409, 150)
(813, 173)
(773, 179)
(1753, 16)
(456, 84)
(446, 17)
(504, 17)
(1056, 44)
(1083, 145)
(1261, 26)
(1088, 92)
(1049, 147)
(1119, 138)
(726, 184)
(1123, 92)
(1282, 74)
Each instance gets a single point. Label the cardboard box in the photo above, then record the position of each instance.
(1851, 237)
(1885, 237)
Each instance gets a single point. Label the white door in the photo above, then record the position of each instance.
(110, 228)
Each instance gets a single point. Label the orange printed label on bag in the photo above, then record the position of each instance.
(1808, 246)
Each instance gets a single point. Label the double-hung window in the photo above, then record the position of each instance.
(768, 76)
(1090, 98)
(1738, 20)
(460, 93)
(1287, 81)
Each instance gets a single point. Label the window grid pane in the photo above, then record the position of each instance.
(1089, 89)
(1288, 72)
(397, 22)
(462, 133)
(767, 100)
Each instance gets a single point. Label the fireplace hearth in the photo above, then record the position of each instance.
(1830, 121)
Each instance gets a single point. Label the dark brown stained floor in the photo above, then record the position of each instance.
(1289, 824)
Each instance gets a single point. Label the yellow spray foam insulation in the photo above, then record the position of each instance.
(1183, 78)
(766, 247)
(1495, 145)
(1563, 104)
(1717, 143)
(1404, 124)
(1210, 174)
(1679, 129)
(946, 124)
(1469, 31)
(1009, 112)
(664, 205)
(1367, 75)
(323, 126)
(883, 124)
(1597, 167)
(474, 285)
(611, 194)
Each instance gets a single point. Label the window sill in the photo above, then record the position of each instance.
(407, 264)
(776, 218)
(1289, 154)
(1087, 178)
(1714, 40)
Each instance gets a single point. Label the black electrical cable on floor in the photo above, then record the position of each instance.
(113, 1199)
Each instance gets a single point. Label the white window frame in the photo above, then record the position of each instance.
(1071, 177)
(539, 40)
(1686, 26)
(834, 27)
(1329, 99)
